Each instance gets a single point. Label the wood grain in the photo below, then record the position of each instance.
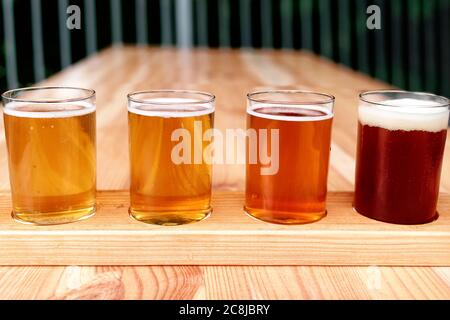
(228, 237)
(229, 74)
(222, 282)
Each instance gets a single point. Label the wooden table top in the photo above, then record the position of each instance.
(229, 74)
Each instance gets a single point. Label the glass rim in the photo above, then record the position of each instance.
(445, 101)
(9, 95)
(329, 98)
(132, 97)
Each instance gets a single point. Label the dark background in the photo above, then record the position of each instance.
(411, 51)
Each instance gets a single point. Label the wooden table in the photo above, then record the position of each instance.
(229, 74)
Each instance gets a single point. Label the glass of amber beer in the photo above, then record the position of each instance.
(296, 192)
(169, 160)
(50, 136)
(400, 148)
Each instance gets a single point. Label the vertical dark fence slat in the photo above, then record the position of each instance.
(286, 17)
(326, 39)
(429, 10)
(224, 23)
(166, 22)
(266, 24)
(397, 50)
(10, 44)
(116, 21)
(183, 9)
(141, 22)
(202, 22)
(65, 47)
(361, 36)
(414, 39)
(245, 15)
(91, 26)
(38, 44)
(444, 24)
(381, 69)
(344, 44)
(306, 24)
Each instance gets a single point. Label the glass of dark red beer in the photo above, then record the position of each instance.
(400, 149)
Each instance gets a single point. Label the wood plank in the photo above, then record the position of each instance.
(224, 282)
(228, 237)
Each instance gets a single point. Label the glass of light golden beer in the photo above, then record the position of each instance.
(400, 149)
(296, 194)
(170, 170)
(50, 136)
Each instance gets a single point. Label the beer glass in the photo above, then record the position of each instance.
(296, 192)
(50, 136)
(169, 160)
(400, 148)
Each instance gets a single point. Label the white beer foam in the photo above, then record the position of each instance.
(54, 110)
(328, 113)
(405, 114)
(162, 107)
